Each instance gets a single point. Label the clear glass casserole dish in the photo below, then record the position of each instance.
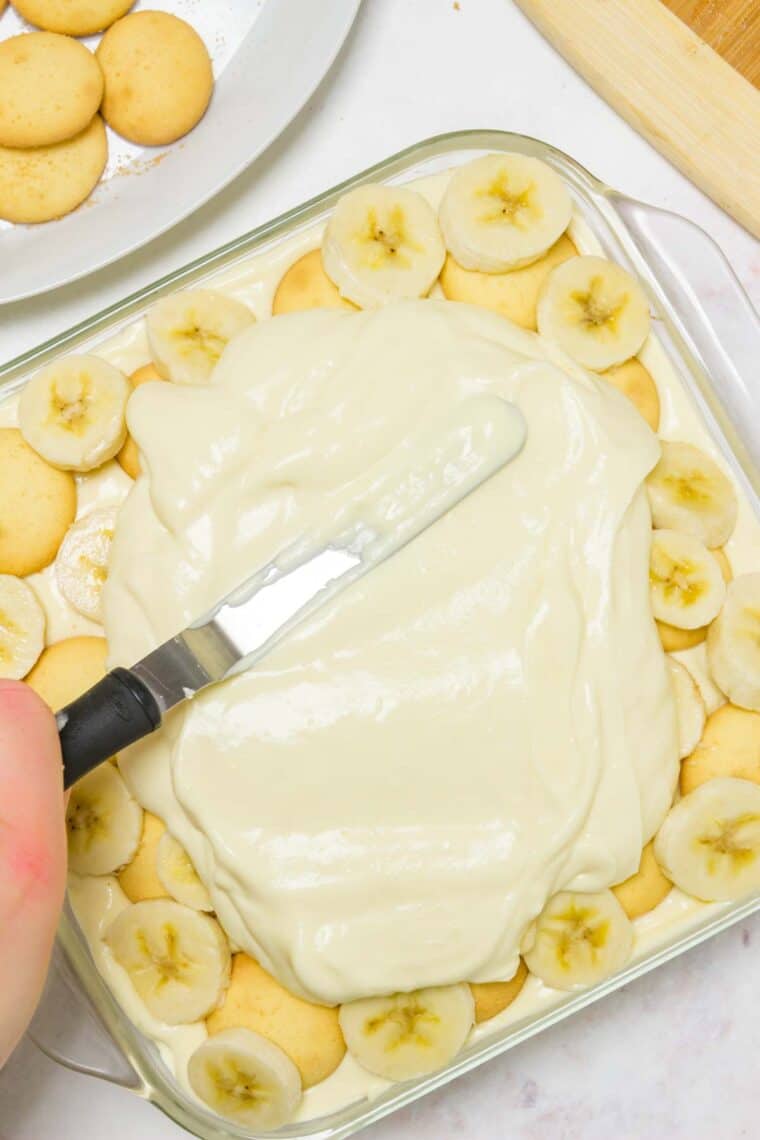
(712, 336)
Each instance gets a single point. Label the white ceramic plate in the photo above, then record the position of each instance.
(269, 56)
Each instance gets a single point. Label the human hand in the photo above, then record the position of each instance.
(32, 854)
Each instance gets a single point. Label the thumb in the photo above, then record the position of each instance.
(32, 853)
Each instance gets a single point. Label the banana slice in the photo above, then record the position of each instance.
(595, 311)
(578, 939)
(72, 412)
(637, 383)
(675, 640)
(408, 1035)
(382, 243)
(503, 211)
(688, 492)
(178, 875)
(730, 746)
(245, 1078)
(177, 959)
(690, 707)
(103, 823)
(81, 567)
(733, 643)
(685, 579)
(189, 331)
(22, 627)
(709, 844)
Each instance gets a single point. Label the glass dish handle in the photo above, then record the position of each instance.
(67, 1028)
(716, 316)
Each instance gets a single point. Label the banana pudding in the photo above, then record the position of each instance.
(494, 770)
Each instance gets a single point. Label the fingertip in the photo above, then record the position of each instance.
(13, 692)
(31, 769)
(32, 850)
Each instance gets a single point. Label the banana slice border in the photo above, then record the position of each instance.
(73, 412)
(407, 1035)
(399, 233)
(689, 492)
(733, 643)
(178, 959)
(103, 823)
(241, 1062)
(503, 211)
(579, 939)
(709, 844)
(22, 628)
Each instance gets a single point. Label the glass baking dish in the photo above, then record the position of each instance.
(712, 335)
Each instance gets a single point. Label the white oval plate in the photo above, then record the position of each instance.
(269, 56)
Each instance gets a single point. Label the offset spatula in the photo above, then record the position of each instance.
(397, 500)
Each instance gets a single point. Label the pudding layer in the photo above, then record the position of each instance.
(390, 798)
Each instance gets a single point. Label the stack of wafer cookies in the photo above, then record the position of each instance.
(56, 97)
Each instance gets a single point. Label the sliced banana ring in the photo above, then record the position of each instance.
(675, 640)
(382, 243)
(595, 311)
(81, 567)
(178, 875)
(686, 584)
(709, 844)
(690, 707)
(733, 643)
(503, 211)
(72, 412)
(103, 823)
(688, 492)
(22, 627)
(578, 939)
(408, 1035)
(189, 331)
(245, 1078)
(177, 959)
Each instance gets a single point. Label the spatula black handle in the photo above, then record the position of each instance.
(116, 712)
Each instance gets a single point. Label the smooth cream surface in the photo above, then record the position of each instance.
(485, 719)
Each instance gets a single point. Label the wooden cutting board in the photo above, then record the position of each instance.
(684, 73)
(731, 27)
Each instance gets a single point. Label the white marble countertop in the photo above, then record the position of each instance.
(674, 1054)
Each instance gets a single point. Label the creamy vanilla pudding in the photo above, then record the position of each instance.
(411, 712)
(452, 763)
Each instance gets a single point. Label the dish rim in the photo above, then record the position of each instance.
(600, 201)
